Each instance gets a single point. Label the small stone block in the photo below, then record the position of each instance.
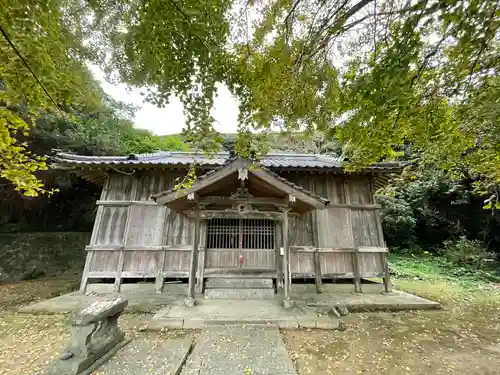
(189, 302)
(307, 323)
(335, 313)
(193, 323)
(287, 303)
(343, 311)
(65, 356)
(161, 323)
(288, 324)
(326, 322)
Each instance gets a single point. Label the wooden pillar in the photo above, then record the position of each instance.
(355, 266)
(355, 253)
(86, 270)
(385, 267)
(317, 270)
(93, 239)
(190, 300)
(279, 263)
(315, 235)
(119, 269)
(381, 242)
(159, 272)
(287, 302)
(201, 257)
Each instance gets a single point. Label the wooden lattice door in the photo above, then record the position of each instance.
(241, 243)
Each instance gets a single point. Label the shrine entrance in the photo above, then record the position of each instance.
(244, 208)
(240, 243)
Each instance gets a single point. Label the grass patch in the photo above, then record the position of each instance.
(430, 277)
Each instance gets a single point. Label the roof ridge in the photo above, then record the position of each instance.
(329, 157)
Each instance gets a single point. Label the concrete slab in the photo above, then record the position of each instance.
(239, 350)
(149, 355)
(140, 301)
(394, 301)
(207, 313)
(368, 288)
(143, 288)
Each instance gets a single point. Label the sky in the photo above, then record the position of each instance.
(171, 119)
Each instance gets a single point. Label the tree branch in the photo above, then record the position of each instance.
(188, 21)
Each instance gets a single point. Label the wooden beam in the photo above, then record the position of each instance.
(126, 203)
(228, 200)
(170, 196)
(356, 206)
(299, 194)
(208, 214)
(138, 248)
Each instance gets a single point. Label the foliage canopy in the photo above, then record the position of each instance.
(373, 73)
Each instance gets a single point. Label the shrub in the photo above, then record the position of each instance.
(398, 222)
(466, 253)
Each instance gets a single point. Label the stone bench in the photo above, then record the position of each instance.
(94, 332)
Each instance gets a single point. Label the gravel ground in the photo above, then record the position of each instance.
(28, 342)
(401, 343)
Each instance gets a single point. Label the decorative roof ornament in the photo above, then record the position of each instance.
(242, 174)
(242, 192)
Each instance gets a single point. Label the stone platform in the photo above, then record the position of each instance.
(208, 313)
(308, 311)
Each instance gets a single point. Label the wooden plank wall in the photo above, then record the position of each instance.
(345, 239)
(133, 237)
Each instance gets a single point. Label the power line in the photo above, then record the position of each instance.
(63, 114)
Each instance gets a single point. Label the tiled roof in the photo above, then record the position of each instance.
(176, 158)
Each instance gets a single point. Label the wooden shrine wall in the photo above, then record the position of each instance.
(133, 237)
(343, 240)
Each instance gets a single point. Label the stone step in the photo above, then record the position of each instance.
(220, 283)
(240, 293)
(237, 349)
